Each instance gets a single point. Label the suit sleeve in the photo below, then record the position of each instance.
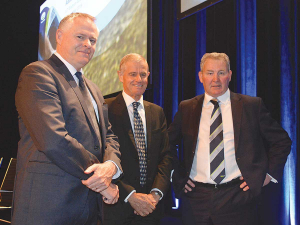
(277, 142)
(40, 108)
(179, 177)
(162, 178)
(112, 145)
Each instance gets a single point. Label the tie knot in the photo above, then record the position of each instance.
(135, 105)
(79, 76)
(215, 102)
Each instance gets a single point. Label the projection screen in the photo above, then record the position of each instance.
(123, 29)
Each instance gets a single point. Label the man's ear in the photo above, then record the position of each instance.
(59, 34)
(200, 76)
(120, 76)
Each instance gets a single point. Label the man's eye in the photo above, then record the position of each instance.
(80, 37)
(93, 41)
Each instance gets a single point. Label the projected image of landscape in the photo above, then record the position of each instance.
(123, 30)
(126, 33)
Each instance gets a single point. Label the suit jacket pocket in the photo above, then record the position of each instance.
(44, 168)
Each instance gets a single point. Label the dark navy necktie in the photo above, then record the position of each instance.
(140, 141)
(88, 101)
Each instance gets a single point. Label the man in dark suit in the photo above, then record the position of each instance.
(141, 188)
(67, 153)
(231, 149)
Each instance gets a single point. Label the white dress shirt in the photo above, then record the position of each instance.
(201, 164)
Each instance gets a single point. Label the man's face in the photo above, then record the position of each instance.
(135, 78)
(76, 42)
(215, 77)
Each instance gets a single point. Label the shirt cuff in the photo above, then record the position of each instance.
(118, 173)
(128, 196)
(172, 171)
(156, 189)
(272, 179)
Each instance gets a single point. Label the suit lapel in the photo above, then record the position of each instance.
(237, 109)
(196, 114)
(69, 78)
(124, 119)
(148, 124)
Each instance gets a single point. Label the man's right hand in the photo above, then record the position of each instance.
(141, 203)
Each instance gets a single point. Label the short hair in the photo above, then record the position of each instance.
(215, 55)
(72, 16)
(131, 57)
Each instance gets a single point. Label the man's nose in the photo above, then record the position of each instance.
(87, 43)
(215, 77)
(138, 78)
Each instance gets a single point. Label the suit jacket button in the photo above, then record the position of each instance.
(96, 147)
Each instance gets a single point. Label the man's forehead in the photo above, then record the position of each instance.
(138, 63)
(214, 62)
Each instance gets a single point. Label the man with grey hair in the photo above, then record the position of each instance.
(67, 154)
(146, 158)
(232, 147)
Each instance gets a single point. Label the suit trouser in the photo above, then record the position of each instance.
(90, 214)
(226, 205)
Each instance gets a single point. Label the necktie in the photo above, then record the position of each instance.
(217, 164)
(139, 135)
(88, 101)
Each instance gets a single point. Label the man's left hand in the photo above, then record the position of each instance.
(244, 185)
(111, 194)
(101, 179)
(154, 198)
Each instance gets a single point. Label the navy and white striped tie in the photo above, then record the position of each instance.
(217, 163)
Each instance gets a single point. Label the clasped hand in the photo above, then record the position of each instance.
(143, 204)
(111, 194)
(101, 179)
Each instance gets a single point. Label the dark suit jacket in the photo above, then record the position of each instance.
(261, 145)
(58, 142)
(159, 163)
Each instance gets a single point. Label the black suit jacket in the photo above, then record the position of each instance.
(261, 145)
(58, 143)
(159, 163)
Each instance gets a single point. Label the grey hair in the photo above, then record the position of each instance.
(130, 57)
(215, 55)
(72, 16)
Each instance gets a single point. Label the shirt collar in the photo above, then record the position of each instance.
(129, 100)
(68, 65)
(223, 98)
